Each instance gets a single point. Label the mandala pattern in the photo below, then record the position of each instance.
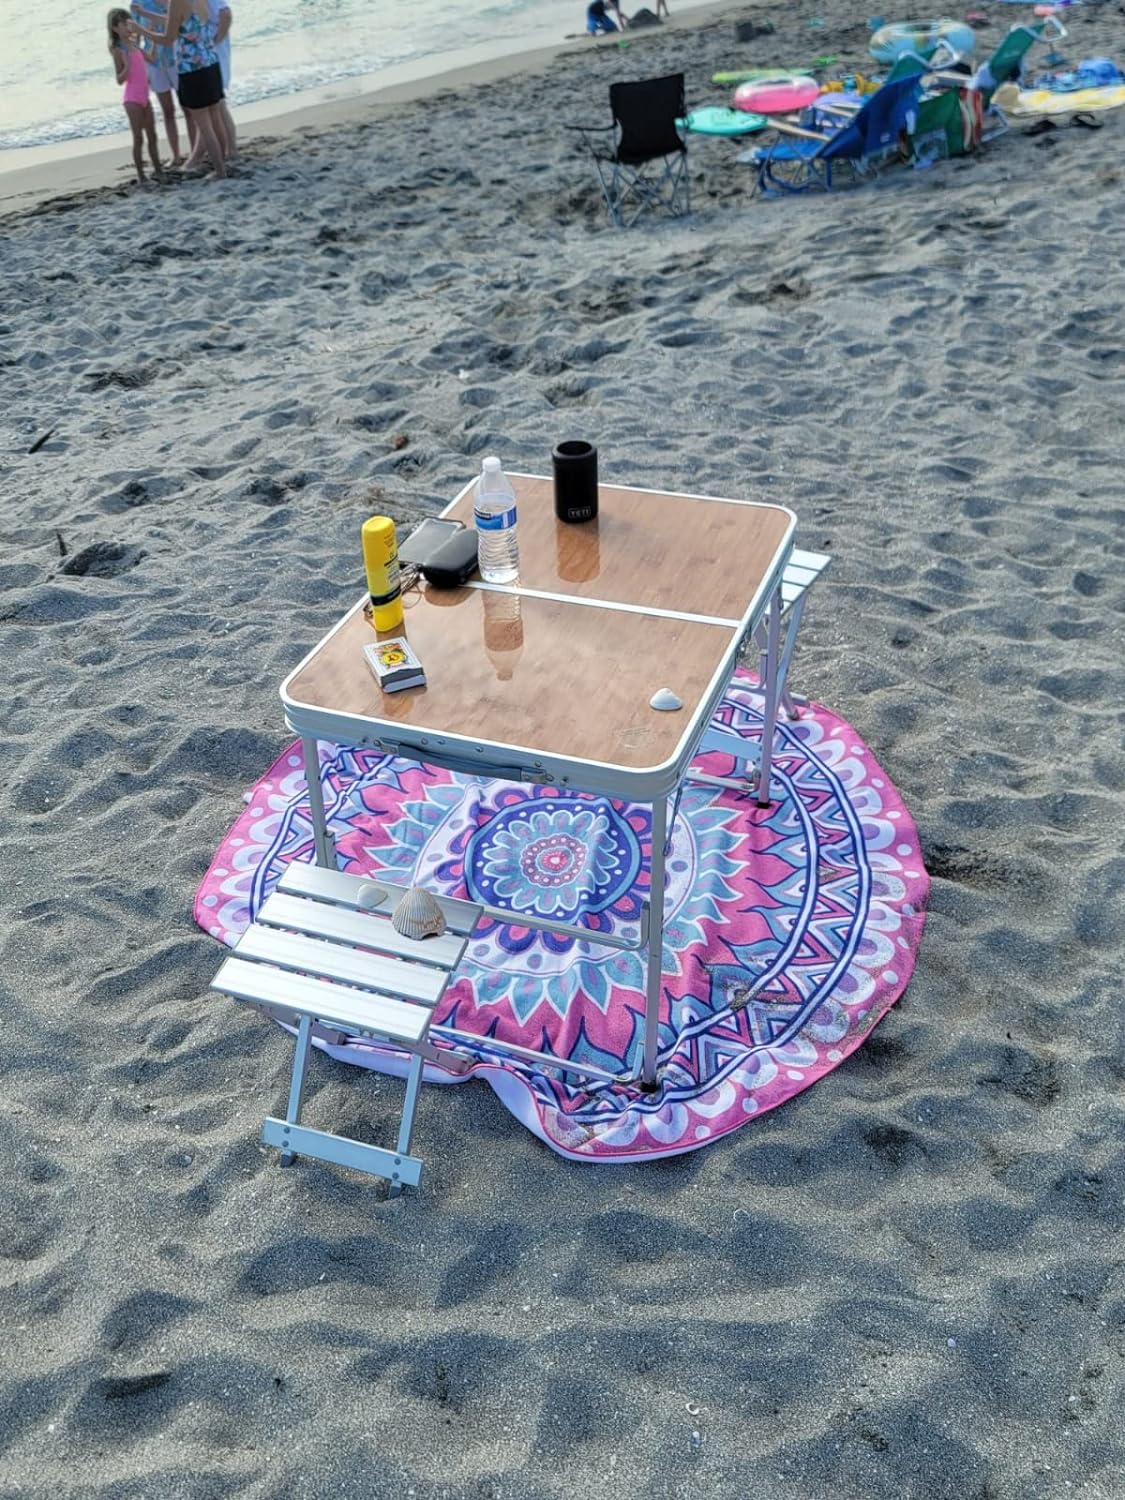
(789, 930)
(560, 859)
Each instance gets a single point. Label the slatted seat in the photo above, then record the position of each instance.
(801, 572)
(320, 954)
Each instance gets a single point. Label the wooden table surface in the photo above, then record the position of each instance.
(700, 556)
(571, 677)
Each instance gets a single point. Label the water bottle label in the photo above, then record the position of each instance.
(500, 521)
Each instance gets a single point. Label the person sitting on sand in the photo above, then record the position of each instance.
(162, 79)
(129, 67)
(598, 21)
(200, 80)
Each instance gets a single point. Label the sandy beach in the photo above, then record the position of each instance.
(906, 1284)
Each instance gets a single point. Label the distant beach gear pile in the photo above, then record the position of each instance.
(927, 107)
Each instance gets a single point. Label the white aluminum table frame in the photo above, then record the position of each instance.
(649, 786)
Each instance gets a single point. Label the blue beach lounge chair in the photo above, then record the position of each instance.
(805, 159)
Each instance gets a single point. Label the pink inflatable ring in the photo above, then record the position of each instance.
(776, 96)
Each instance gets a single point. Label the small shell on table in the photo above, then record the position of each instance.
(370, 895)
(418, 915)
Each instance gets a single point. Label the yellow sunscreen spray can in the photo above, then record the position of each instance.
(380, 559)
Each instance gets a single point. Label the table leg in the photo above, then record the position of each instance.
(655, 941)
(769, 688)
(325, 853)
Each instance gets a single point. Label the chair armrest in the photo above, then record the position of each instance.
(788, 128)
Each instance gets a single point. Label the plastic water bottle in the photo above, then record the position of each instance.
(494, 510)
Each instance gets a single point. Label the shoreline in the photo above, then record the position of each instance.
(32, 176)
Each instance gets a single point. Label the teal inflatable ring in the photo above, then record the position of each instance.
(889, 43)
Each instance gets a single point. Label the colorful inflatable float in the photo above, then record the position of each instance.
(776, 96)
(717, 120)
(890, 42)
(732, 78)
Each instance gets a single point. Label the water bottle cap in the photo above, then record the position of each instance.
(490, 465)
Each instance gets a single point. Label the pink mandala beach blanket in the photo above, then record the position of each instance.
(790, 930)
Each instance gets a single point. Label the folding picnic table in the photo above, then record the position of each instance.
(661, 591)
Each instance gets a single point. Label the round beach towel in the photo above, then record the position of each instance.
(790, 930)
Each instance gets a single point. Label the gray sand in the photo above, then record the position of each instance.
(909, 1283)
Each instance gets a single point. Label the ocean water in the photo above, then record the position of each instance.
(57, 84)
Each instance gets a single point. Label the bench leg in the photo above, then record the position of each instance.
(294, 1139)
(795, 614)
(297, 1084)
(789, 702)
(413, 1080)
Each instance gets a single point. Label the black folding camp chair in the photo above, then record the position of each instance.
(645, 170)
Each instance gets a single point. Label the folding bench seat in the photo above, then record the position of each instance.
(801, 572)
(321, 955)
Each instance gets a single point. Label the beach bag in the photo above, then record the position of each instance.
(948, 124)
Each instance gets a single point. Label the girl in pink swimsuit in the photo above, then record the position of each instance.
(129, 65)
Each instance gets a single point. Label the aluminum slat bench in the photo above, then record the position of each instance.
(801, 572)
(320, 955)
(343, 890)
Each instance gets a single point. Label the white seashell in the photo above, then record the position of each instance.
(370, 895)
(665, 698)
(418, 915)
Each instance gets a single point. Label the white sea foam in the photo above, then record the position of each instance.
(57, 84)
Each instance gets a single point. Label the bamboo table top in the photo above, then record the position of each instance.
(551, 678)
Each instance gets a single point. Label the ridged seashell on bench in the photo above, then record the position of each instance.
(418, 915)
